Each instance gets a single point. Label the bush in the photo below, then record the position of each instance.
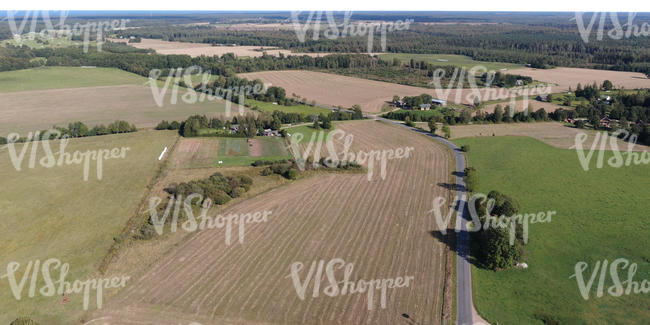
(465, 148)
(471, 179)
(292, 174)
(237, 192)
(23, 321)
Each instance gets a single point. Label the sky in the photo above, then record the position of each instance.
(357, 5)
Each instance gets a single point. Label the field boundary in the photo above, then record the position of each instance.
(133, 220)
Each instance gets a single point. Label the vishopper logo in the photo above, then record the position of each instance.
(618, 288)
(205, 93)
(490, 220)
(202, 221)
(458, 79)
(59, 287)
(618, 31)
(345, 286)
(337, 30)
(600, 143)
(60, 29)
(343, 157)
(61, 157)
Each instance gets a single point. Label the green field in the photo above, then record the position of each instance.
(235, 151)
(72, 219)
(601, 214)
(308, 131)
(448, 60)
(301, 109)
(65, 77)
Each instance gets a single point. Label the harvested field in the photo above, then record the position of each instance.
(195, 153)
(381, 226)
(553, 133)
(198, 49)
(570, 77)
(26, 111)
(332, 89)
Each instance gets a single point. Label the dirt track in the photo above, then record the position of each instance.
(381, 226)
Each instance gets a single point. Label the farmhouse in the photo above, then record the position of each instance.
(271, 133)
(605, 122)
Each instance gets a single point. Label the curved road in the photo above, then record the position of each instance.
(464, 302)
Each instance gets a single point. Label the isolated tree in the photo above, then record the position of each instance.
(395, 99)
(432, 126)
(327, 123)
(446, 131)
(316, 125)
(607, 85)
(498, 114)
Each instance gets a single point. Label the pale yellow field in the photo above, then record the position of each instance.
(334, 90)
(27, 111)
(570, 77)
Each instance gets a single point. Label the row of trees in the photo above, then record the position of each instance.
(78, 130)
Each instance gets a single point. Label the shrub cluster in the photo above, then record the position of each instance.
(218, 188)
(492, 246)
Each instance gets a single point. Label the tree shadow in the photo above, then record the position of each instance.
(460, 174)
(453, 187)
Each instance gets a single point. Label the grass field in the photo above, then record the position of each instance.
(448, 60)
(54, 213)
(202, 279)
(301, 109)
(101, 96)
(601, 214)
(308, 131)
(65, 77)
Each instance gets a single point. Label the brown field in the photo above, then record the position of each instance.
(198, 49)
(332, 89)
(570, 77)
(553, 133)
(381, 226)
(40, 109)
(195, 153)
